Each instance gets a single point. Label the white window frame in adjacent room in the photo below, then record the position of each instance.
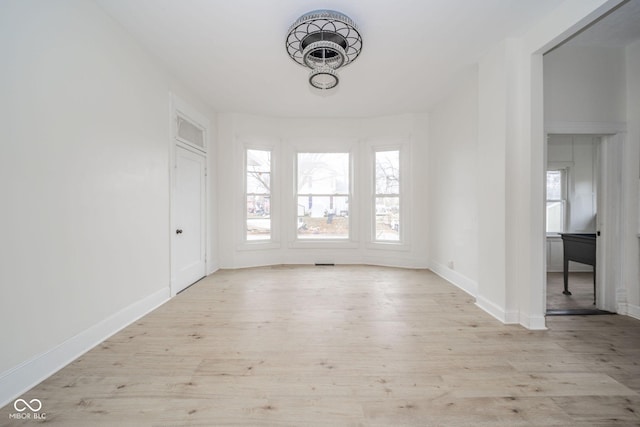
(563, 200)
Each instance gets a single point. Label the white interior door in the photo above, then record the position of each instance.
(188, 234)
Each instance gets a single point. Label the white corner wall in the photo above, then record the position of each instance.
(284, 136)
(84, 163)
(452, 185)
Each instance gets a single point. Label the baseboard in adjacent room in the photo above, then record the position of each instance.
(630, 310)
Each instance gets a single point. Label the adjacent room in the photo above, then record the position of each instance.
(331, 213)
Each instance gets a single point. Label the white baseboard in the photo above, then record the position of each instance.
(630, 310)
(511, 317)
(494, 310)
(471, 287)
(28, 374)
(537, 323)
(459, 280)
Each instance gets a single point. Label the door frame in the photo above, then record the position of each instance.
(179, 107)
(610, 170)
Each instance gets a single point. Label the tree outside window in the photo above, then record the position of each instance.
(387, 196)
(258, 194)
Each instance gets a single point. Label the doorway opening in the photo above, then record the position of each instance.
(583, 220)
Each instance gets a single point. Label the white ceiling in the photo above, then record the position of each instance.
(232, 52)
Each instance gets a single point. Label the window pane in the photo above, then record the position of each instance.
(323, 195)
(554, 185)
(323, 173)
(388, 218)
(258, 193)
(258, 171)
(323, 217)
(388, 172)
(258, 218)
(555, 217)
(258, 161)
(258, 182)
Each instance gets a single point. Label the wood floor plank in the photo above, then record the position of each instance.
(346, 346)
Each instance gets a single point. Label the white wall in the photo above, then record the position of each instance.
(585, 84)
(452, 185)
(85, 170)
(285, 136)
(491, 181)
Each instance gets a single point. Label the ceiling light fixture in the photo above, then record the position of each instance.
(324, 40)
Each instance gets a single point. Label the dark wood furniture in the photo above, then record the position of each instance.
(579, 247)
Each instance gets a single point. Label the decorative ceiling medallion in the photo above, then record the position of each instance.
(324, 40)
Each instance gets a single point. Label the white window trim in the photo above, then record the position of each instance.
(274, 241)
(324, 146)
(565, 175)
(403, 243)
(376, 195)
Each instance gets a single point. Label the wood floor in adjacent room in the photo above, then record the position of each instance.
(580, 286)
(346, 345)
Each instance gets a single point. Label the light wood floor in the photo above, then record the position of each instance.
(346, 345)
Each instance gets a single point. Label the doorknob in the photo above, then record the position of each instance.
(178, 231)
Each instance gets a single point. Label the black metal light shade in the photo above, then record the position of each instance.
(324, 40)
